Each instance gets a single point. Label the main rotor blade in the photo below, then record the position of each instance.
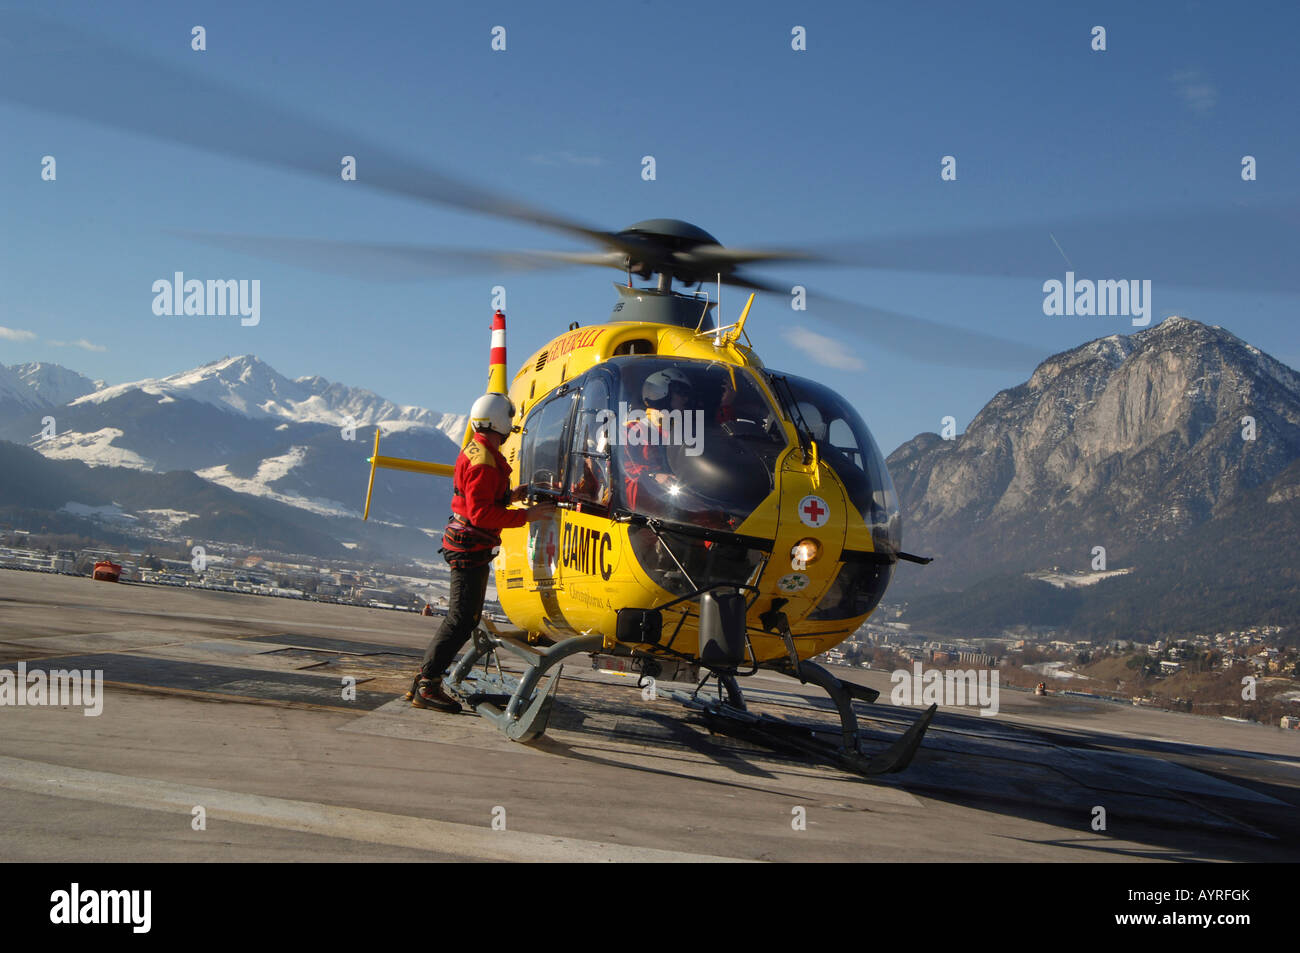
(1250, 246)
(726, 258)
(385, 262)
(52, 67)
(921, 339)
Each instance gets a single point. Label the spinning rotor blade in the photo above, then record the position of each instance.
(137, 93)
(130, 91)
(723, 258)
(1185, 247)
(140, 94)
(930, 342)
(922, 339)
(384, 262)
(390, 262)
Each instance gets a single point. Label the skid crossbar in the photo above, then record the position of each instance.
(528, 708)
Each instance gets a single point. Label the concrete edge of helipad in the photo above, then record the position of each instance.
(464, 841)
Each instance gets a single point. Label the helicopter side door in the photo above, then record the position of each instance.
(590, 545)
(565, 459)
(588, 485)
(543, 461)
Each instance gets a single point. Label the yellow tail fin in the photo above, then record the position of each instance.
(497, 382)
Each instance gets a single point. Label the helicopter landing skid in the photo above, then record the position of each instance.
(521, 708)
(724, 717)
(517, 706)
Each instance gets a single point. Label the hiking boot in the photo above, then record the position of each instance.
(429, 694)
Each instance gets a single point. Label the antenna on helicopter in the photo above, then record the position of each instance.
(717, 317)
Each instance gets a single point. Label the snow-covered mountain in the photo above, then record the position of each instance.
(252, 388)
(240, 424)
(16, 395)
(453, 425)
(53, 384)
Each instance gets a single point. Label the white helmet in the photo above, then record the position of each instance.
(812, 417)
(656, 386)
(492, 412)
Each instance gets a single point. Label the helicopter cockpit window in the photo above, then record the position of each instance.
(845, 443)
(590, 450)
(544, 446)
(693, 441)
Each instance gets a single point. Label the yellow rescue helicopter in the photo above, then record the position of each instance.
(759, 534)
(710, 513)
(764, 529)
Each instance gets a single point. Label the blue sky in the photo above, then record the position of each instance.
(754, 142)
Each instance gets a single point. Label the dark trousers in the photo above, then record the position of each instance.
(464, 608)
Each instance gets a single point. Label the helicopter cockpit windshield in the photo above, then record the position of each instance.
(845, 443)
(694, 442)
(685, 441)
(691, 445)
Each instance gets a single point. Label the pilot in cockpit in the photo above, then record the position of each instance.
(647, 436)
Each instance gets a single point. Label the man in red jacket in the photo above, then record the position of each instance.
(480, 510)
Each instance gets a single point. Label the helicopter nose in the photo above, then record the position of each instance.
(810, 535)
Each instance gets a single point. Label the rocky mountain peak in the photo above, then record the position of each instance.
(1127, 436)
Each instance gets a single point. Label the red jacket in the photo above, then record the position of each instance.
(481, 489)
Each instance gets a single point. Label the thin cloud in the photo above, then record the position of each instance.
(80, 342)
(565, 158)
(828, 352)
(15, 334)
(1197, 92)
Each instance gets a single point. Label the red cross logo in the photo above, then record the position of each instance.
(813, 511)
